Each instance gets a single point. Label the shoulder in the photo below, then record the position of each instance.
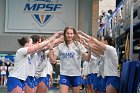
(61, 45)
(111, 51)
(108, 47)
(22, 51)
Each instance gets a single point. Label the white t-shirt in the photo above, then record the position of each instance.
(101, 66)
(42, 64)
(41, 58)
(110, 62)
(93, 66)
(10, 68)
(32, 65)
(47, 69)
(70, 58)
(22, 59)
(3, 70)
(85, 70)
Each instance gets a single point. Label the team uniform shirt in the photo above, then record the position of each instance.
(49, 69)
(10, 68)
(44, 72)
(46, 60)
(32, 64)
(70, 58)
(93, 65)
(85, 70)
(22, 59)
(101, 66)
(110, 61)
(41, 58)
(3, 70)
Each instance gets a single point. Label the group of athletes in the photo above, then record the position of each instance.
(32, 70)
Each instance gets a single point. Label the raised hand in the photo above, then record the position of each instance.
(79, 32)
(60, 32)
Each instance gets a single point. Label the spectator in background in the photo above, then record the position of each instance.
(105, 17)
(3, 69)
(10, 67)
(100, 21)
(110, 11)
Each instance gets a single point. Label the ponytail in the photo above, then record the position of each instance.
(23, 41)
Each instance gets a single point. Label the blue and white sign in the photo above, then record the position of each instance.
(40, 16)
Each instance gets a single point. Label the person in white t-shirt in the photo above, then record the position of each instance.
(45, 80)
(10, 68)
(17, 77)
(30, 81)
(111, 80)
(70, 53)
(43, 72)
(108, 65)
(3, 70)
(93, 64)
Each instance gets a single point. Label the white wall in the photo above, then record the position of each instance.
(106, 5)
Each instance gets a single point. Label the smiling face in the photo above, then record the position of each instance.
(69, 35)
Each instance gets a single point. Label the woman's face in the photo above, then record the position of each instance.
(69, 35)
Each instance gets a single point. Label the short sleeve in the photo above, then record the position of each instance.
(22, 51)
(111, 51)
(82, 48)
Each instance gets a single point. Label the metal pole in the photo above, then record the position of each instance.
(131, 33)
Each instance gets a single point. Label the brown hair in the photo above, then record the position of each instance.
(76, 37)
(35, 38)
(23, 41)
(109, 40)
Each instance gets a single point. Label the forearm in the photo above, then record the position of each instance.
(97, 53)
(37, 47)
(98, 43)
(51, 78)
(57, 42)
(51, 55)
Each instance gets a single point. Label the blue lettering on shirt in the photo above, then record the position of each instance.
(42, 58)
(29, 60)
(67, 55)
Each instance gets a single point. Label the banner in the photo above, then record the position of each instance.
(40, 16)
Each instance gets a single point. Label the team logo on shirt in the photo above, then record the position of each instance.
(64, 80)
(42, 11)
(67, 55)
(29, 60)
